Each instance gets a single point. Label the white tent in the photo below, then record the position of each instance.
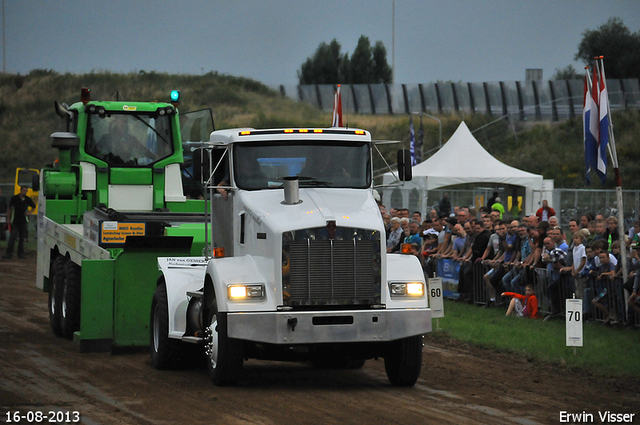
(463, 160)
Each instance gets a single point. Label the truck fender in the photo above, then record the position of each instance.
(227, 271)
(404, 268)
(181, 274)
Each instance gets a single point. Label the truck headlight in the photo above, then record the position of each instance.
(407, 289)
(245, 292)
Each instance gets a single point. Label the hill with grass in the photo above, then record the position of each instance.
(27, 118)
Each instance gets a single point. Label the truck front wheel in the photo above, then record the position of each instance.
(56, 278)
(224, 354)
(403, 361)
(165, 352)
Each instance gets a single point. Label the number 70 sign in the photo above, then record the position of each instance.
(574, 322)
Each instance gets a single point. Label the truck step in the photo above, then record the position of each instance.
(192, 339)
(196, 294)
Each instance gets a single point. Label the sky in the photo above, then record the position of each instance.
(268, 40)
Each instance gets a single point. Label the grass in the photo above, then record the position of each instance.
(606, 351)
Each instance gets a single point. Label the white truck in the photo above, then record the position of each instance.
(297, 267)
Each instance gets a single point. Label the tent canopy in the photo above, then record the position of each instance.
(463, 160)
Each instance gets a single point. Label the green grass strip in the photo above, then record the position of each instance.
(606, 351)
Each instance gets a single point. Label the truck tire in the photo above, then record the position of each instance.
(403, 361)
(165, 352)
(70, 300)
(56, 278)
(223, 354)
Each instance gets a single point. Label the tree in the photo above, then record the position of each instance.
(381, 69)
(620, 48)
(567, 73)
(329, 66)
(324, 66)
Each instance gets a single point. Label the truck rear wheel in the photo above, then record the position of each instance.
(165, 352)
(70, 300)
(224, 354)
(403, 361)
(56, 277)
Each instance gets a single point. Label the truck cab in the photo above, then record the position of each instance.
(298, 267)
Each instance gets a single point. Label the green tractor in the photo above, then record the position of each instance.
(119, 196)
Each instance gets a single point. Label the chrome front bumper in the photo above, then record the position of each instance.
(309, 327)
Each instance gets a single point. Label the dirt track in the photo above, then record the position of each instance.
(458, 385)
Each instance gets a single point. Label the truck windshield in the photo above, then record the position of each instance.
(326, 164)
(129, 139)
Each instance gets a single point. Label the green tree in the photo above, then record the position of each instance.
(620, 48)
(567, 73)
(324, 66)
(328, 65)
(381, 70)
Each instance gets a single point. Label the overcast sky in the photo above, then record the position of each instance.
(268, 40)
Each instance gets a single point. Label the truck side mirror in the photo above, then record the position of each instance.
(404, 165)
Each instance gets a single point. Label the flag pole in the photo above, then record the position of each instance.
(618, 178)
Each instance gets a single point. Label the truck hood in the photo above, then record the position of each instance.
(355, 208)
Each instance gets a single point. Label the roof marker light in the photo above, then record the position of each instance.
(288, 131)
(245, 133)
(317, 130)
(303, 130)
(359, 132)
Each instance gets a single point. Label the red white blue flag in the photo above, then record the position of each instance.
(336, 118)
(412, 142)
(603, 139)
(595, 117)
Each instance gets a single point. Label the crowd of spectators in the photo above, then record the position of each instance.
(529, 265)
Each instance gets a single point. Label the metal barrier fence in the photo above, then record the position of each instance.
(523, 101)
(610, 294)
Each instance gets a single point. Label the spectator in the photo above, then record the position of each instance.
(511, 281)
(393, 212)
(494, 256)
(445, 205)
(557, 235)
(601, 230)
(475, 252)
(554, 257)
(395, 234)
(612, 234)
(21, 205)
(579, 261)
(460, 241)
(497, 206)
(591, 227)
(573, 228)
(417, 216)
(463, 215)
(404, 225)
(413, 237)
(523, 305)
(553, 221)
(585, 219)
(545, 211)
(606, 272)
(492, 200)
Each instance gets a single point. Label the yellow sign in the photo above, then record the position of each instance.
(114, 232)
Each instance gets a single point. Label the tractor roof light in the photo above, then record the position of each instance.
(85, 95)
(175, 97)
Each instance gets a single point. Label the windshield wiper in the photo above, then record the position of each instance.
(313, 181)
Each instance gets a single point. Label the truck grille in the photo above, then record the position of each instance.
(322, 272)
